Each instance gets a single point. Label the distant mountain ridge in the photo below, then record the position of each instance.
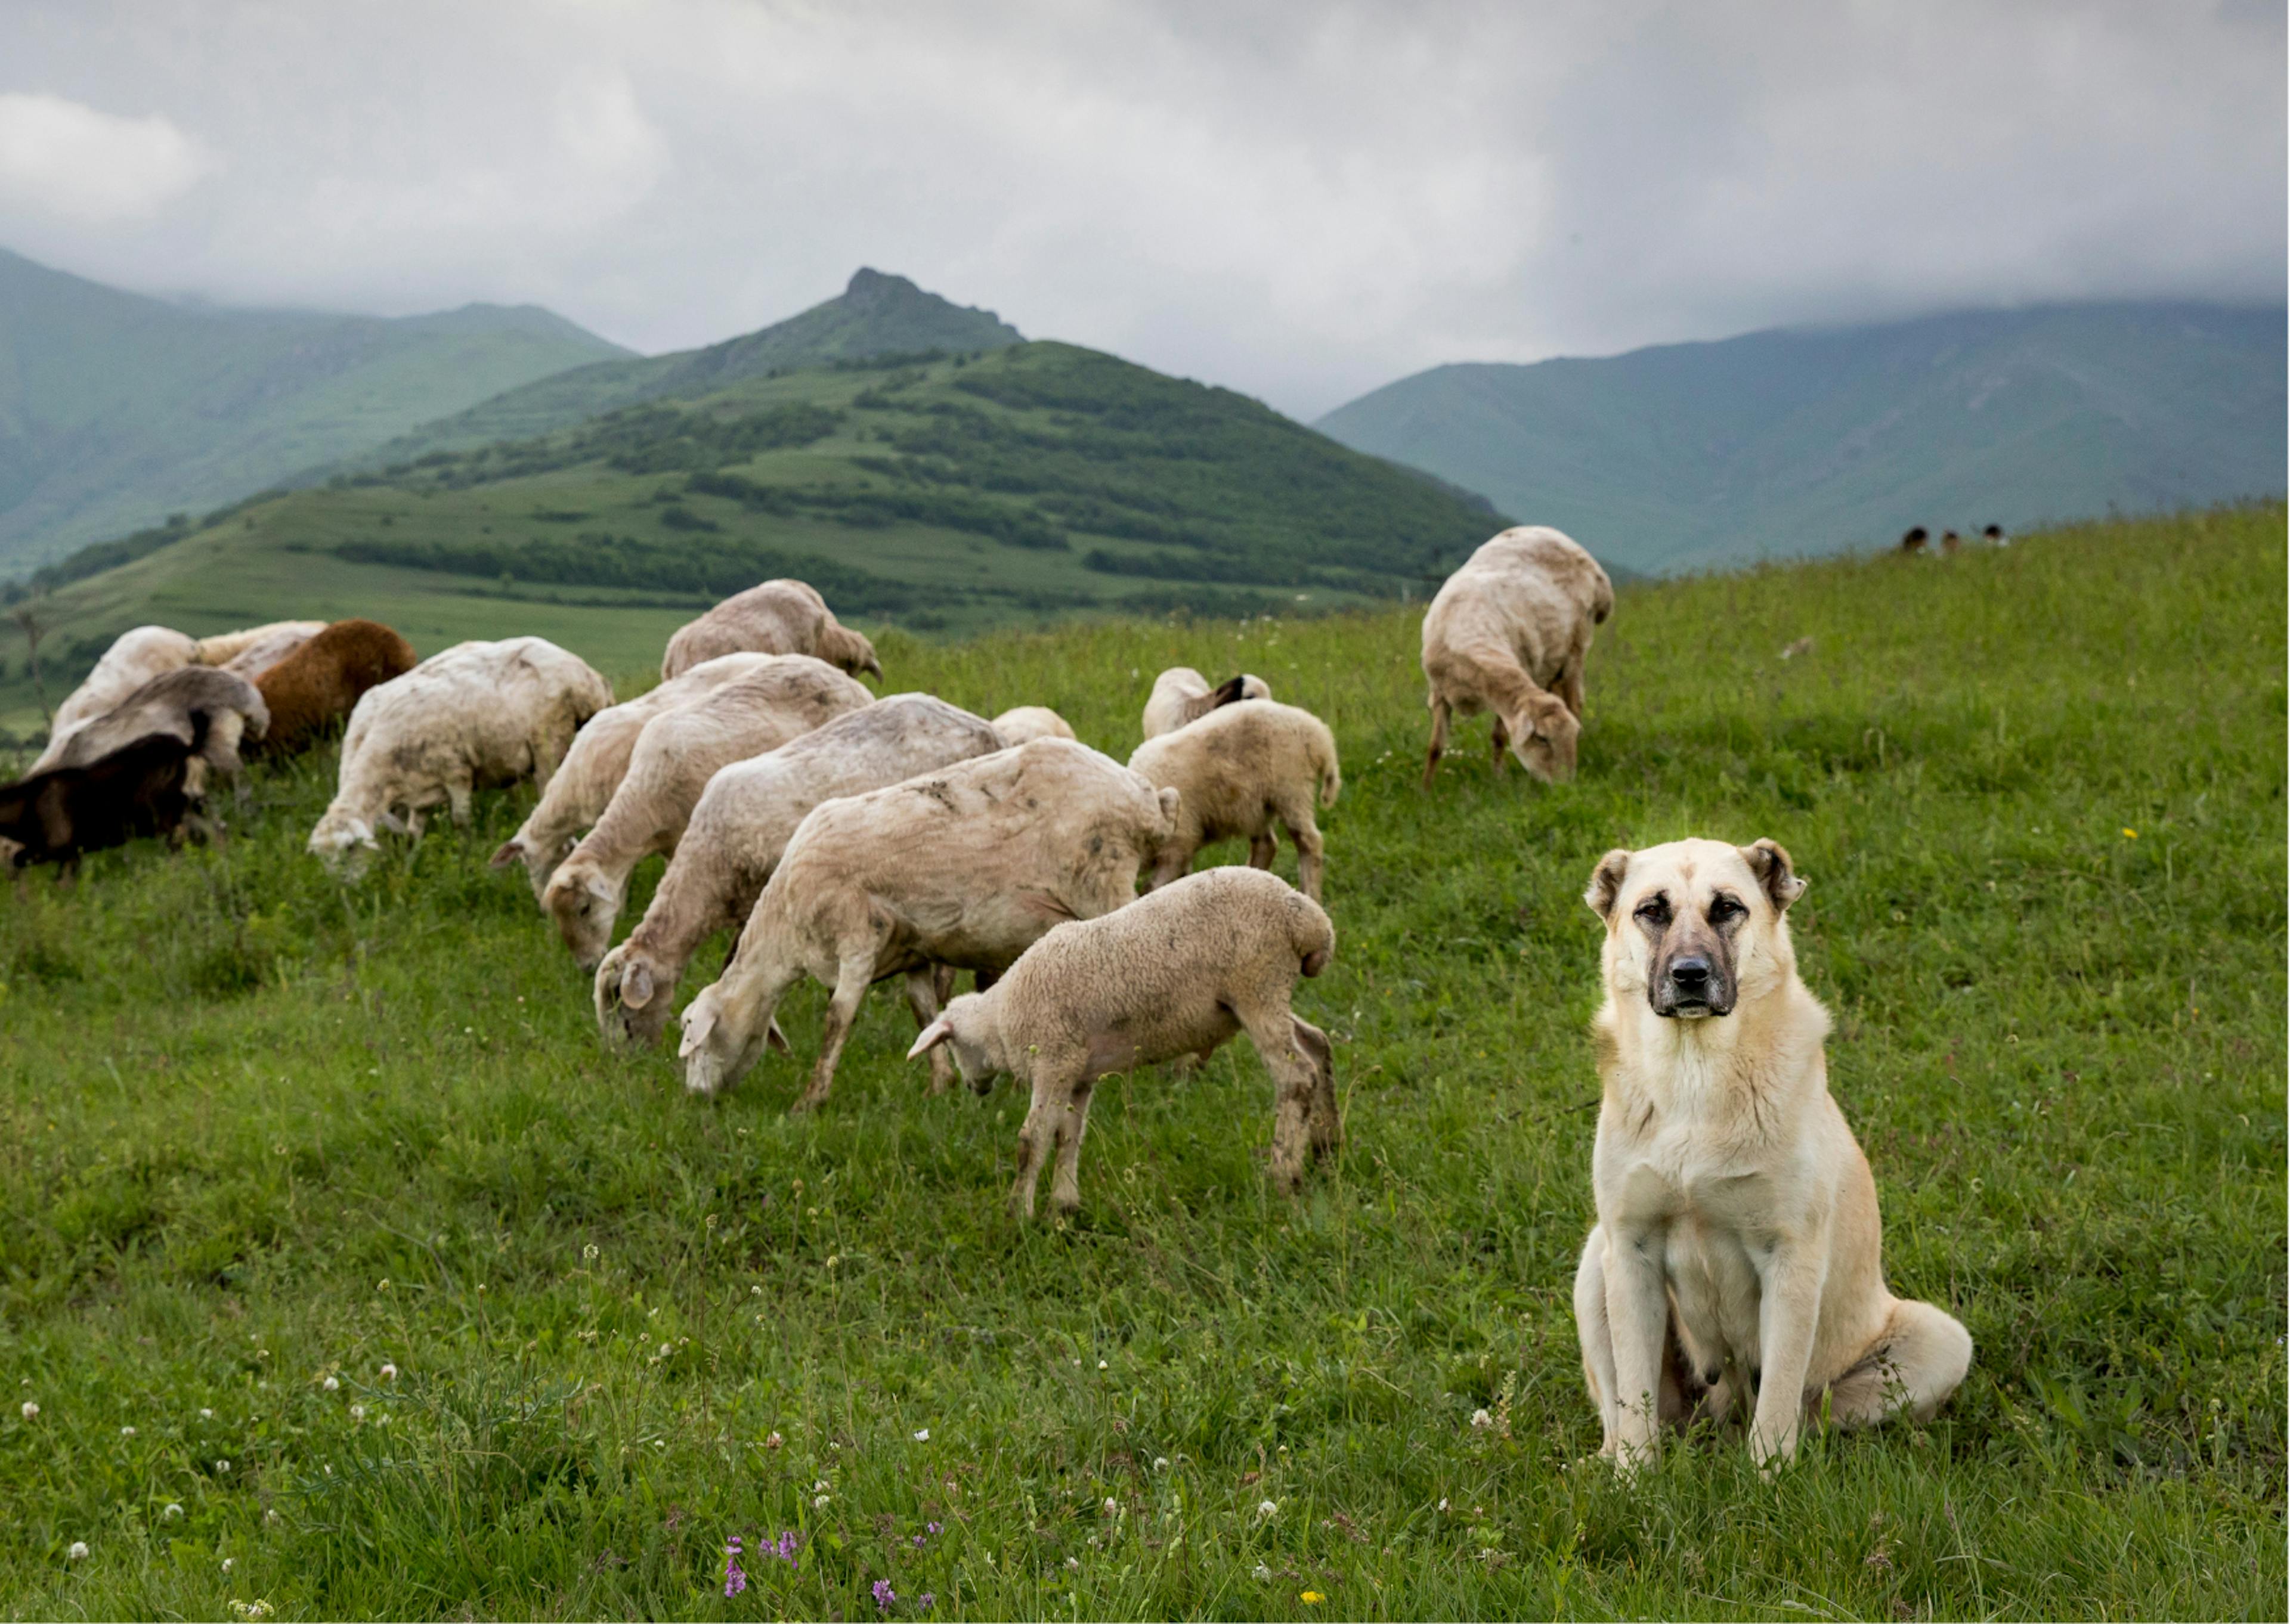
(1805, 440)
(117, 409)
(877, 315)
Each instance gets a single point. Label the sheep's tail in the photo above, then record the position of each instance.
(1332, 776)
(1311, 936)
(1602, 600)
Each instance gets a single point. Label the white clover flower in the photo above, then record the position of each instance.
(665, 1350)
(174, 1512)
(206, 1415)
(127, 1432)
(1481, 1420)
(78, 1552)
(818, 1503)
(1268, 1508)
(1073, 1565)
(820, 1487)
(357, 1413)
(1443, 1502)
(1160, 1463)
(1262, 1574)
(389, 1372)
(1102, 1366)
(229, 1563)
(31, 1411)
(333, 1384)
(922, 1437)
(773, 1442)
(222, 1466)
(272, 1517)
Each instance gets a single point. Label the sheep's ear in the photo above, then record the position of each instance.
(698, 1024)
(510, 851)
(933, 1034)
(596, 888)
(1169, 802)
(1770, 865)
(777, 1039)
(635, 985)
(1606, 883)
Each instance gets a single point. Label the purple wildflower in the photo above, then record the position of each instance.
(933, 1527)
(785, 1549)
(885, 1599)
(918, 1541)
(735, 1580)
(927, 1600)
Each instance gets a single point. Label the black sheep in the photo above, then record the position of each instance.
(54, 816)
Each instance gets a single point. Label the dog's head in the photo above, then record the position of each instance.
(1695, 927)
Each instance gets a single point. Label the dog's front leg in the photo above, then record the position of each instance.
(1637, 1315)
(1789, 1314)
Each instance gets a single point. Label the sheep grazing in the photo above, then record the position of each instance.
(1509, 633)
(1181, 694)
(1240, 769)
(255, 650)
(1176, 972)
(676, 755)
(133, 659)
(1951, 544)
(140, 788)
(1994, 536)
(599, 760)
(966, 867)
(216, 709)
(1026, 722)
(1914, 540)
(320, 680)
(780, 617)
(476, 714)
(745, 817)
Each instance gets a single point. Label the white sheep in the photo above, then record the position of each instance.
(255, 649)
(779, 617)
(966, 867)
(744, 821)
(1509, 633)
(475, 714)
(1181, 694)
(676, 755)
(594, 767)
(133, 659)
(1024, 723)
(1176, 972)
(1242, 768)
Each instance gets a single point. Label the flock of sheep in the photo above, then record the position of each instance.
(842, 836)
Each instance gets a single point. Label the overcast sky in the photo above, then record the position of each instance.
(1302, 201)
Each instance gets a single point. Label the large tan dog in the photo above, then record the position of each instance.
(1737, 1248)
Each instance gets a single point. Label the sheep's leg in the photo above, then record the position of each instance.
(1439, 712)
(1327, 1130)
(1071, 1124)
(1261, 849)
(1502, 743)
(458, 789)
(1304, 835)
(1295, 1078)
(927, 986)
(1569, 689)
(1038, 1139)
(852, 978)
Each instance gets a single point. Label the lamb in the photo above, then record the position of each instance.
(599, 760)
(477, 713)
(216, 709)
(1181, 694)
(139, 788)
(1509, 633)
(742, 823)
(1176, 972)
(779, 617)
(1242, 768)
(133, 659)
(967, 867)
(320, 681)
(256, 649)
(678, 751)
(1026, 722)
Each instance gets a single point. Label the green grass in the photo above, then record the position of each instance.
(259, 1131)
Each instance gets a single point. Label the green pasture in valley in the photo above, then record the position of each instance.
(265, 1141)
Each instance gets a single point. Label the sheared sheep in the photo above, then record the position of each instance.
(966, 867)
(319, 681)
(599, 760)
(476, 714)
(1026, 722)
(54, 815)
(780, 617)
(1242, 768)
(218, 709)
(744, 822)
(676, 755)
(1509, 633)
(1176, 972)
(255, 650)
(133, 659)
(1181, 694)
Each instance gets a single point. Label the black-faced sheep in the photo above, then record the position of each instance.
(1510, 633)
(1176, 972)
(1181, 694)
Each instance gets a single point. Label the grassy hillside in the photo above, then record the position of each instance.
(876, 314)
(116, 409)
(1034, 482)
(263, 1135)
(1792, 443)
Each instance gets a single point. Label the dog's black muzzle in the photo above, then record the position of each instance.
(1692, 985)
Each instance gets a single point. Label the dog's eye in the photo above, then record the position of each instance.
(1724, 907)
(1654, 910)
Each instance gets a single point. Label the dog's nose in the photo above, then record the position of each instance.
(1690, 973)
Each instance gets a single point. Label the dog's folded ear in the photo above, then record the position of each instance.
(1607, 882)
(1770, 865)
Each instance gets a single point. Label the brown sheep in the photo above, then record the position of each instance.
(319, 684)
